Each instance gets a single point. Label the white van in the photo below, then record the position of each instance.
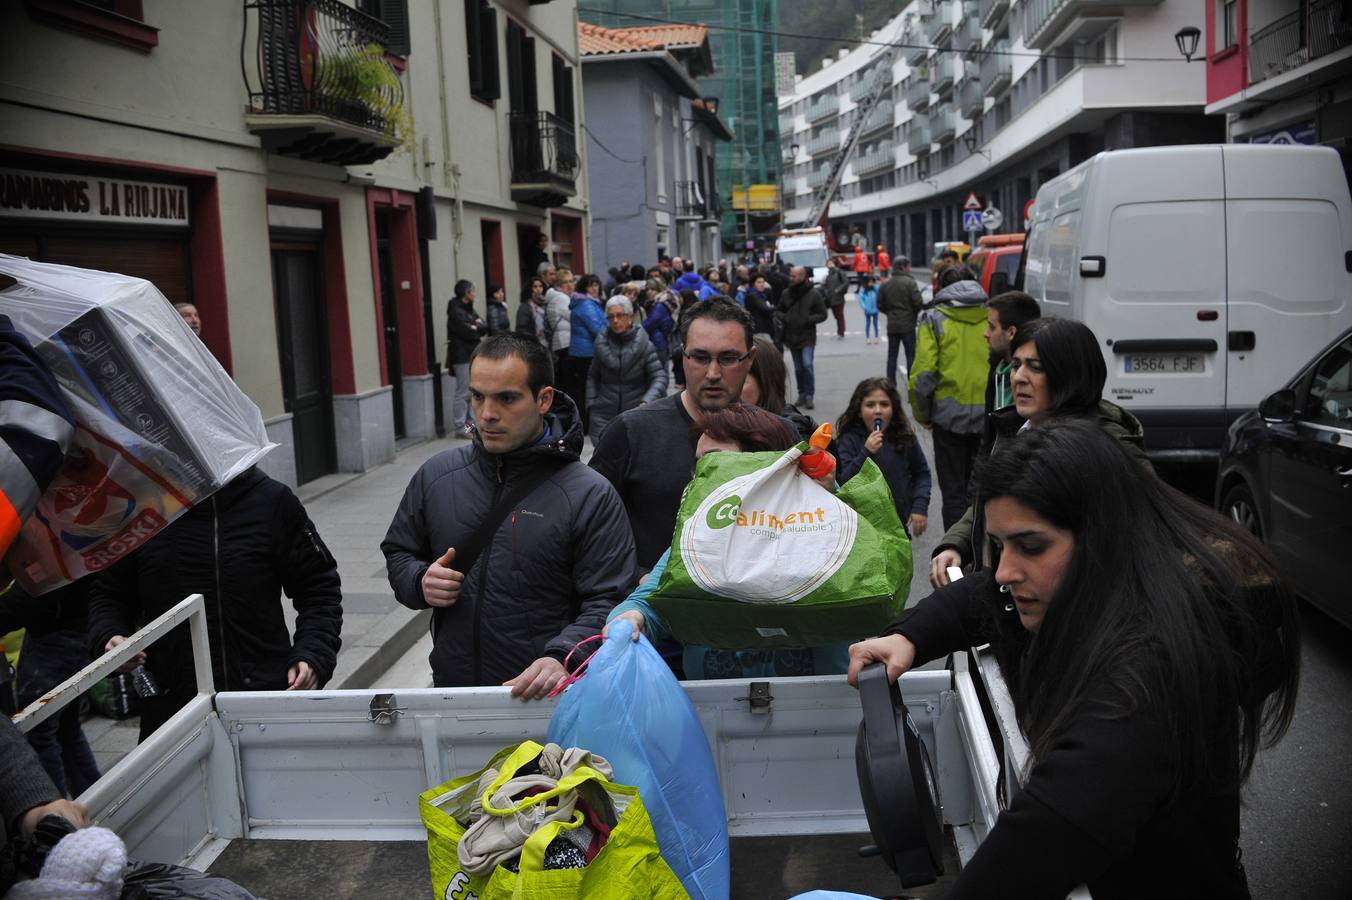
(805, 247)
(1210, 274)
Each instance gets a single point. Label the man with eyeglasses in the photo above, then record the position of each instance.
(647, 453)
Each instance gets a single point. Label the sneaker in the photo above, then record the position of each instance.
(807, 403)
(800, 402)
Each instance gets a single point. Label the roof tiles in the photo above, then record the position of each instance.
(596, 40)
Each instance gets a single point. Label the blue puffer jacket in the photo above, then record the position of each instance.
(587, 319)
(658, 325)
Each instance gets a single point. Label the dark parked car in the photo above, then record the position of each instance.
(1286, 475)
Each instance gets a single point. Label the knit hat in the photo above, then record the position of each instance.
(88, 863)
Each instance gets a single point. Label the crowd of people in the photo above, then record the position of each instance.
(1142, 635)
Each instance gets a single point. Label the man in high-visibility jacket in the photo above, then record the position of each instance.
(35, 431)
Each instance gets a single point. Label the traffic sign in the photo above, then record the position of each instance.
(1027, 214)
(992, 218)
(973, 202)
(971, 220)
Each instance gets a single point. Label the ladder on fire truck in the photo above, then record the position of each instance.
(822, 197)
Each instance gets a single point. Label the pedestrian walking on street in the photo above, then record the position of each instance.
(760, 306)
(868, 302)
(874, 427)
(862, 267)
(834, 289)
(626, 370)
(1150, 650)
(464, 330)
(884, 261)
(518, 548)
(901, 302)
(661, 318)
(948, 382)
(557, 300)
(800, 309)
(1005, 315)
(586, 321)
(498, 320)
(240, 549)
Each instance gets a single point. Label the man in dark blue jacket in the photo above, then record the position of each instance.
(518, 548)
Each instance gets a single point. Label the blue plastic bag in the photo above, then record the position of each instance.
(629, 708)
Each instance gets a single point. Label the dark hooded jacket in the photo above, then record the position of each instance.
(547, 577)
(240, 548)
(968, 534)
(801, 307)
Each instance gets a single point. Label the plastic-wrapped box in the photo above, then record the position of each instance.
(159, 424)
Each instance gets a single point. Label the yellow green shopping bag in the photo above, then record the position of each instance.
(628, 866)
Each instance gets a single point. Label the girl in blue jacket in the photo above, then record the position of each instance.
(875, 427)
(868, 302)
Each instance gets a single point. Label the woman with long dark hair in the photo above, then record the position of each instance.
(1058, 373)
(766, 386)
(1149, 649)
(874, 427)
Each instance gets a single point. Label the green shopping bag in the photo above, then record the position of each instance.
(628, 866)
(763, 557)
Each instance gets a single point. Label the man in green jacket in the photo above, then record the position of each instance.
(948, 382)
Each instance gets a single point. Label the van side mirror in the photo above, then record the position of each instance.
(1278, 407)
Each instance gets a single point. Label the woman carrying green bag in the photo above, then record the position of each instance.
(737, 429)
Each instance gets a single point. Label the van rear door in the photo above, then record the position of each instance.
(1289, 230)
(1156, 234)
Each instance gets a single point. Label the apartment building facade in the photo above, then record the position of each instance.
(313, 175)
(651, 144)
(1280, 71)
(992, 97)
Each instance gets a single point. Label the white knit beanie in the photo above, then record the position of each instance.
(88, 863)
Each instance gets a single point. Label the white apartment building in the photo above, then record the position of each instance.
(306, 149)
(992, 97)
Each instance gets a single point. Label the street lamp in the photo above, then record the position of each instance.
(970, 141)
(1187, 39)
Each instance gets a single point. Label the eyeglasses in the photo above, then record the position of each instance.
(614, 317)
(725, 360)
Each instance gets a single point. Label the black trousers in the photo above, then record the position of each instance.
(899, 341)
(572, 380)
(954, 459)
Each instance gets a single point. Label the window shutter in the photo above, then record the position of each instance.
(394, 13)
(488, 51)
(472, 54)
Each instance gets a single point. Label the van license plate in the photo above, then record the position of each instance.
(1165, 363)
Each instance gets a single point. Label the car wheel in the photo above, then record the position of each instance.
(1239, 506)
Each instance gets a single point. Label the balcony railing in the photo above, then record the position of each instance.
(918, 141)
(992, 11)
(691, 202)
(319, 83)
(879, 119)
(786, 125)
(1296, 39)
(917, 47)
(1044, 20)
(971, 98)
(826, 142)
(918, 88)
(938, 22)
(997, 69)
(544, 158)
(947, 69)
(817, 177)
(967, 33)
(880, 159)
(825, 107)
(862, 88)
(944, 124)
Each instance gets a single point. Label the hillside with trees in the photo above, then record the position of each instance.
(834, 26)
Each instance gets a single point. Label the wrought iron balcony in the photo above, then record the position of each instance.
(967, 33)
(881, 159)
(878, 120)
(826, 142)
(938, 22)
(825, 107)
(971, 99)
(918, 88)
(320, 85)
(690, 201)
(997, 69)
(544, 158)
(1297, 38)
(944, 124)
(918, 141)
(993, 11)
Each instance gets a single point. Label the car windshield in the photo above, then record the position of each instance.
(809, 257)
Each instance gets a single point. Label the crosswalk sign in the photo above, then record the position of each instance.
(971, 220)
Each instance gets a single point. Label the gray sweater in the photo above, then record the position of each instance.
(23, 782)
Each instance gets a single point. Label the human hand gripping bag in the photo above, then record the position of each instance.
(630, 709)
(159, 425)
(628, 866)
(763, 557)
